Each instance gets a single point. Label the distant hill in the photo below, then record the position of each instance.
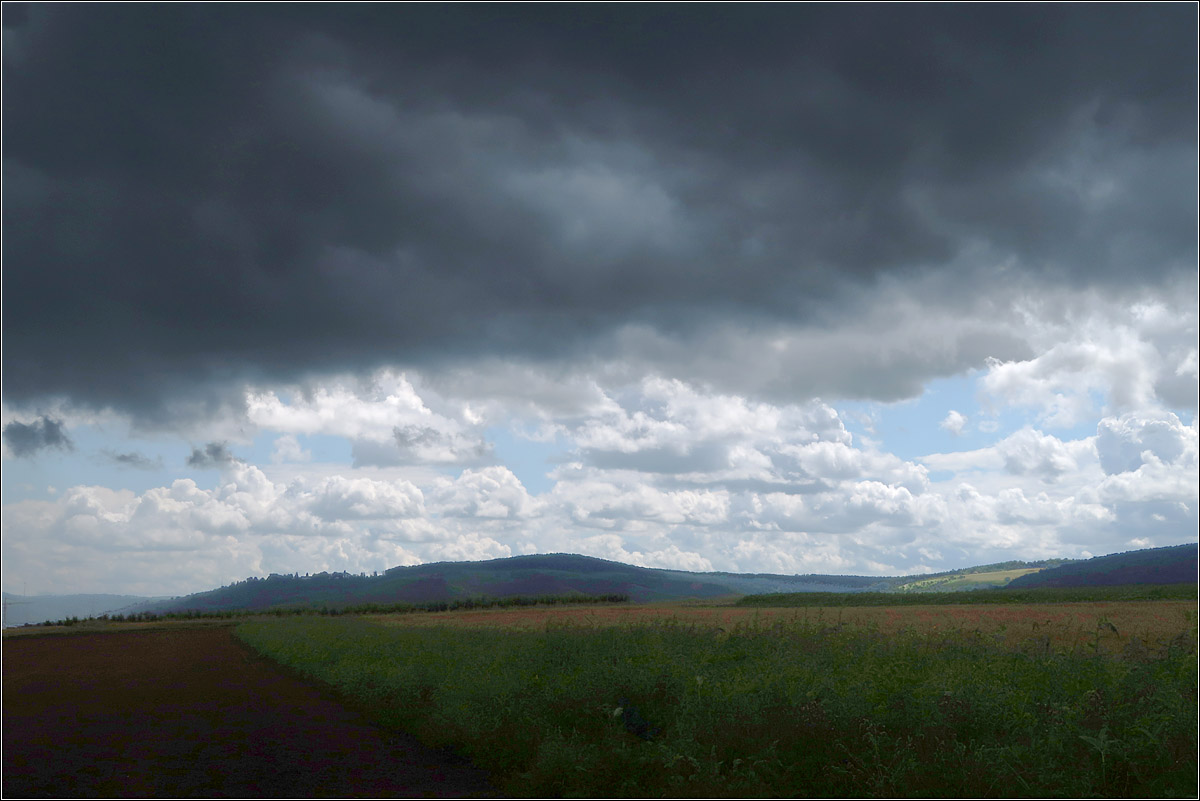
(1175, 564)
(571, 574)
(22, 609)
(981, 577)
(534, 575)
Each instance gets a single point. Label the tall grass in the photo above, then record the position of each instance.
(794, 709)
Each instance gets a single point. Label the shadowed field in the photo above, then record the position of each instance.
(190, 712)
(1044, 700)
(1041, 700)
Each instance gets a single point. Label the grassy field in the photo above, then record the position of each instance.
(1060, 700)
(996, 578)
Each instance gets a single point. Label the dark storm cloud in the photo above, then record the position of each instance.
(212, 192)
(212, 455)
(26, 439)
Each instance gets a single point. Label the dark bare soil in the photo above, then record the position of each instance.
(194, 713)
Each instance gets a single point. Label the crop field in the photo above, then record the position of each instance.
(1053, 700)
(1110, 627)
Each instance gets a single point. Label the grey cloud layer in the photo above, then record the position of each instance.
(212, 455)
(27, 439)
(213, 192)
(137, 460)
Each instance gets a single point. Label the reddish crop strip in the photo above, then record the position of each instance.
(1112, 626)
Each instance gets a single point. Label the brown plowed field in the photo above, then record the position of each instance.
(192, 712)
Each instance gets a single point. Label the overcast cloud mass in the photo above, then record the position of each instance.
(778, 288)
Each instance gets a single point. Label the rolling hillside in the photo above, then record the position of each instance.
(569, 574)
(981, 577)
(536, 575)
(1175, 564)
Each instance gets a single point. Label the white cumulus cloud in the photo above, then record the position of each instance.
(954, 422)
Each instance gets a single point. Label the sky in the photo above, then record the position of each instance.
(843, 289)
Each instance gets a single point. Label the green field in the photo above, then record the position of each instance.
(775, 708)
(966, 581)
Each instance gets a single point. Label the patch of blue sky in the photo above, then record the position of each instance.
(528, 459)
(326, 447)
(99, 458)
(914, 428)
(1009, 419)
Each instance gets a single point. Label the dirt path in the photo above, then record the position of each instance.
(193, 712)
